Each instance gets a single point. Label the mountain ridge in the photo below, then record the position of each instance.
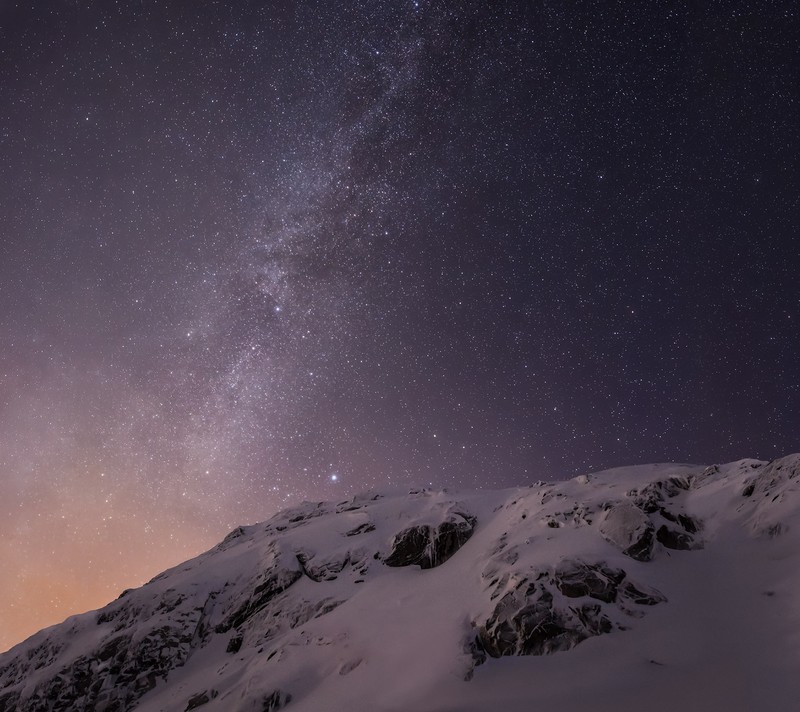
(622, 586)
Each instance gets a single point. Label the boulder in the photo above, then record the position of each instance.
(630, 529)
(429, 546)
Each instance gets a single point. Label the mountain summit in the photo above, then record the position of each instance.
(655, 587)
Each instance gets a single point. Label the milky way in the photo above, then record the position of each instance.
(254, 253)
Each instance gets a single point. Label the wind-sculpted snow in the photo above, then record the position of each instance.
(418, 600)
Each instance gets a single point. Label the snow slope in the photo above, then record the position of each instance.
(655, 587)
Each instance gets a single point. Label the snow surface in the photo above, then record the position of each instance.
(341, 630)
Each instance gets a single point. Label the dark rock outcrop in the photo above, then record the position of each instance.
(651, 496)
(576, 579)
(276, 583)
(9, 702)
(641, 595)
(130, 669)
(280, 571)
(275, 701)
(673, 539)
(428, 546)
(529, 624)
(195, 701)
(533, 618)
(361, 529)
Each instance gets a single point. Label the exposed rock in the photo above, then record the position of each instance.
(630, 529)
(232, 537)
(674, 539)
(690, 524)
(113, 647)
(428, 546)
(531, 625)
(642, 550)
(323, 569)
(410, 546)
(358, 502)
(576, 579)
(361, 529)
(9, 701)
(530, 619)
(274, 581)
(129, 668)
(265, 594)
(302, 514)
(650, 497)
(275, 701)
(641, 595)
(303, 611)
(201, 698)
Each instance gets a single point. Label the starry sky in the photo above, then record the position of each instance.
(258, 252)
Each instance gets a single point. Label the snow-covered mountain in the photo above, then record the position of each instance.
(658, 587)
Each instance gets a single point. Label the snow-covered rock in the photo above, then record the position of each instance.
(653, 587)
(629, 528)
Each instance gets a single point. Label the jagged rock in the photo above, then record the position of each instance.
(275, 701)
(531, 621)
(9, 702)
(690, 524)
(531, 625)
(132, 669)
(673, 539)
(113, 647)
(630, 529)
(429, 547)
(576, 579)
(281, 570)
(641, 595)
(201, 698)
(650, 497)
(361, 529)
(277, 581)
(410, 546)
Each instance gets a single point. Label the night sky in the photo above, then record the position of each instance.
(253, 253)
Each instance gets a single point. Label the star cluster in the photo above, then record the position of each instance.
(253, 253)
